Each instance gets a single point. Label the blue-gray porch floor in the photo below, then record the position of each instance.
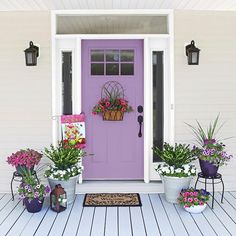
(155, 217)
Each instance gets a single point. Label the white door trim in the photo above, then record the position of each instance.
(76, 48)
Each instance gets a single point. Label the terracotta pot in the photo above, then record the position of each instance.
(208, 169)
(113, 115)
(34, 205)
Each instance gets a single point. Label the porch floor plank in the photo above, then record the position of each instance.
(161, 216)
(99, 221)
(34, 222)
(111, 227)
(174, 218)
(86, 222)
(124, 222)
(219, 228)
(46, 224)
(155, 217)
(60, 222)
(138, 226)
(188, 221)
(75, 216)
(224, 218)
(151, 225)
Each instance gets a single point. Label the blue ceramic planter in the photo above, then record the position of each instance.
(33, 206)
(208, 169)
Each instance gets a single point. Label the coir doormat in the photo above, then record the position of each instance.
(112, 200)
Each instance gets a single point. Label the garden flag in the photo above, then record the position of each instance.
(73, 130)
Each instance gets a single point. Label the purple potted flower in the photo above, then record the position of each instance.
(32, 193)
(211, 153)
(24, 159)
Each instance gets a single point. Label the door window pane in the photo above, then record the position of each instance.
(112, 55)
(112, 69)
(127, 69)
(127, 55)
(157, 76)
(97, 69)
(97, 55)
(67, 83)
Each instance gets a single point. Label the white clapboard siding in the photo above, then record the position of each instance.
(205, 90)
(25, 91)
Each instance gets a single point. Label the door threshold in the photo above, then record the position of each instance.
(119, 186)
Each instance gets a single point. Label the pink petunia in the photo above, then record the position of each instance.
(195, 199)
(190, 200)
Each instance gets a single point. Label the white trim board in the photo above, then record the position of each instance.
(151, 42)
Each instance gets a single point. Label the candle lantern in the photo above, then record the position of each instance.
(58, 199)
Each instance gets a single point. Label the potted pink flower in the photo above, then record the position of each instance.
(24, 159)
(193, 200)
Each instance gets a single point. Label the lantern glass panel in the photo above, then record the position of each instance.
(29, 58)
(58, 203)
(194, 57)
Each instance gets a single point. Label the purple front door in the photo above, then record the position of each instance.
(117, 148)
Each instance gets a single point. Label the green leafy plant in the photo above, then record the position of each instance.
(63, 156)
(176, 159)
(177, 155)
(66, 161)
(30, 188)
(201, 135)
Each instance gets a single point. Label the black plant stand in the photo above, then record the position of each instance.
(217, 178)
(18, 177)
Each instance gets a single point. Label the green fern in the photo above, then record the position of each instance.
(177, 155)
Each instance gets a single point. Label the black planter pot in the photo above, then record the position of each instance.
(33, 206)
(208, 169)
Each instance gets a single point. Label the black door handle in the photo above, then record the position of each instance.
(140, 121)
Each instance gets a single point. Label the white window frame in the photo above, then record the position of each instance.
(152, 43)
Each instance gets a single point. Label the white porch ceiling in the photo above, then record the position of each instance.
(37, 5)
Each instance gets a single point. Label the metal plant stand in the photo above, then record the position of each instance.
(18, 177)
(217, 178)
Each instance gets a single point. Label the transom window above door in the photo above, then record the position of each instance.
(112, 62)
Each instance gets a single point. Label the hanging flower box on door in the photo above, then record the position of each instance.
(112, 104)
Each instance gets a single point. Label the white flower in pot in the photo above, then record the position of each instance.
(65, 169)
(176, 171)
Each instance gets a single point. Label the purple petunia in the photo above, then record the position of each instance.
(47, 189)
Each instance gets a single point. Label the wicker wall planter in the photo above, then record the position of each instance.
(113, 115)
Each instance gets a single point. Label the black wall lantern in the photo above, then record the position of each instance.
(192, 53)
(31, 54)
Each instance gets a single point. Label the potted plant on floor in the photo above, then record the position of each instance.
(32, 193)
(177, 171)
(193, 200)
(24, 160)
(211, 153)
(66, 167)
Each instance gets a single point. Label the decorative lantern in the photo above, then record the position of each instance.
(31, 54)
(192, 53)
(58, 199)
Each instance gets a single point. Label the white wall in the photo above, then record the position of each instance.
(203, 91)
(25, 92)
